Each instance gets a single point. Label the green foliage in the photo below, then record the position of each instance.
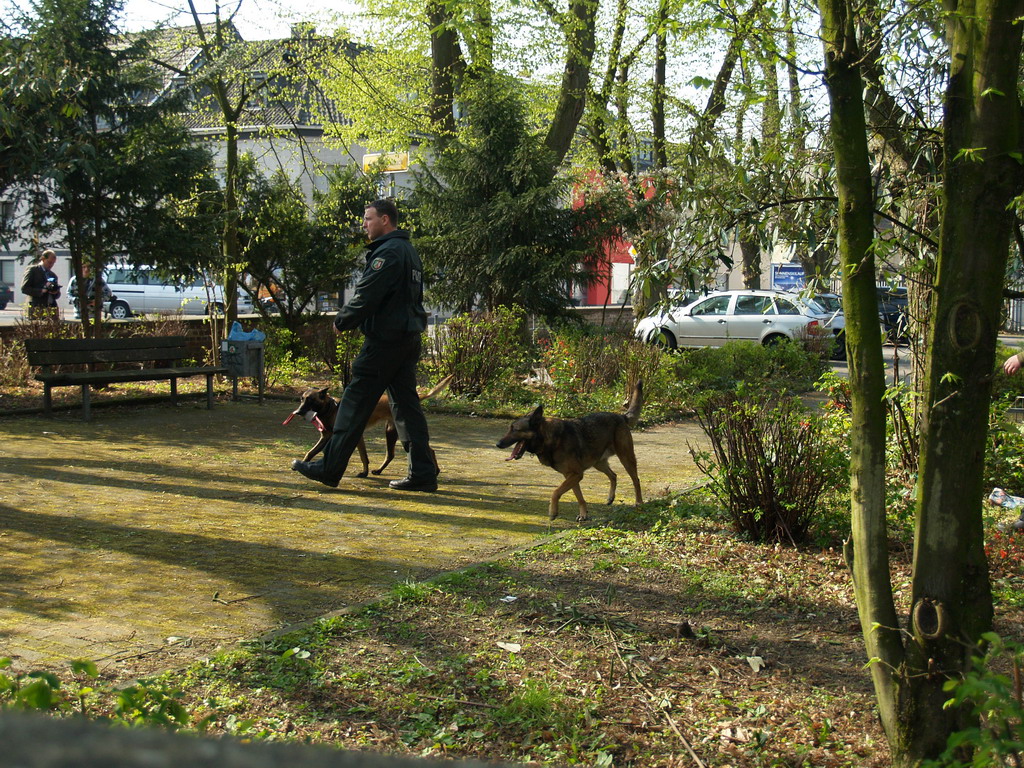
(141, 704)
(484, 351)
(34, 690)
(147, 704)
(105, 163)
(771, 462)
(495, 229)
(746, 367)
(1005, 388)
(283, 357)
(291, 253)
(992, 692)
(1004, 453)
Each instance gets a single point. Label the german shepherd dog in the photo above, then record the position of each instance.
(573, 446)
(317, 406)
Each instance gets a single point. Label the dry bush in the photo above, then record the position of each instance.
(771, 462)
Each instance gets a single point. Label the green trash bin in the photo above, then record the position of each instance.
(243, 359)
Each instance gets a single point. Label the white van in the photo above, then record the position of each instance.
(141, 291)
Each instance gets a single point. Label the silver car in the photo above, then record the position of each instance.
(756, 315)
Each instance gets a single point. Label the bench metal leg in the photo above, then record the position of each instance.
(209, 391)
(86, 413)
(174, 391)
(47, 401)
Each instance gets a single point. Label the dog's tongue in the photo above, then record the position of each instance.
(517, 452)
(290, 417)
(319, 424)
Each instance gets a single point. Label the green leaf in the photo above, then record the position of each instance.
(37, 695)
(84, 667)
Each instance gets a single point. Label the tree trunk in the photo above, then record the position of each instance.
(580, 32)
(951, 598)
(951, 595)
(751, 263)
(867, 552)
(446, 61)
(229, 243)
(796, 113)
(658, 97)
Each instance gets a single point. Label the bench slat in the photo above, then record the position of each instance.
(106, 356)
(112, 377)
(133, 342)
(82, 351)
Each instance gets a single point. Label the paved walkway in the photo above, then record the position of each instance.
(155, 534)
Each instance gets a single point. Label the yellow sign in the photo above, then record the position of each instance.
(396, 161)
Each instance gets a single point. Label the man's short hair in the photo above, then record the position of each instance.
(47, 254)
(386, 208)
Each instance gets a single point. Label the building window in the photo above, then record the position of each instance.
(6, 211)
(7, 271)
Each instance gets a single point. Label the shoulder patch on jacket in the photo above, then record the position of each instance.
(377, 263)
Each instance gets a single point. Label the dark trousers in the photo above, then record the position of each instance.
(381, 366)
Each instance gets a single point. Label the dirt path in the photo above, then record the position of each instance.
(154, 535)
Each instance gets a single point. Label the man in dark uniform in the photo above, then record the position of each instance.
(388, 307)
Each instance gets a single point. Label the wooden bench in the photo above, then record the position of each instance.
(97, 353)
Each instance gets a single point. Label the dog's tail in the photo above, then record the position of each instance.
(635, 403)
(440, 387)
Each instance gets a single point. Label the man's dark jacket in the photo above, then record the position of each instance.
(34, 285)
(388, 299)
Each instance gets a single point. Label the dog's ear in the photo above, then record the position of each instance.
(537, 414)
(323, 392)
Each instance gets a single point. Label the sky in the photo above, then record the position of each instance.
(256, 19)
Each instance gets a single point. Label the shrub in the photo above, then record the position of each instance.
(280, 360)
(1006, 387)
(772, 460)
(14, 368)
(1004, 453)
(746, 366)
(592, 368)
(483, 351)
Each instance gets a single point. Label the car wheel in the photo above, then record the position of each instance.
(772, 340)
(218, 308)
(3, 305)
(665, 339)
(839, 351)
(120, 310)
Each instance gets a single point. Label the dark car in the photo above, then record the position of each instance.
(893, 306)
(6, 295)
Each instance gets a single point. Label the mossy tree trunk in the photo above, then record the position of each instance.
(868, 554)
(951, 600)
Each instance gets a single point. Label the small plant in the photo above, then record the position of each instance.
(996, 699)
(771, 463)
(147, 704)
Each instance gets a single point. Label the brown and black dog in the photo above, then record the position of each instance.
(573, 446)
(317, 406)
